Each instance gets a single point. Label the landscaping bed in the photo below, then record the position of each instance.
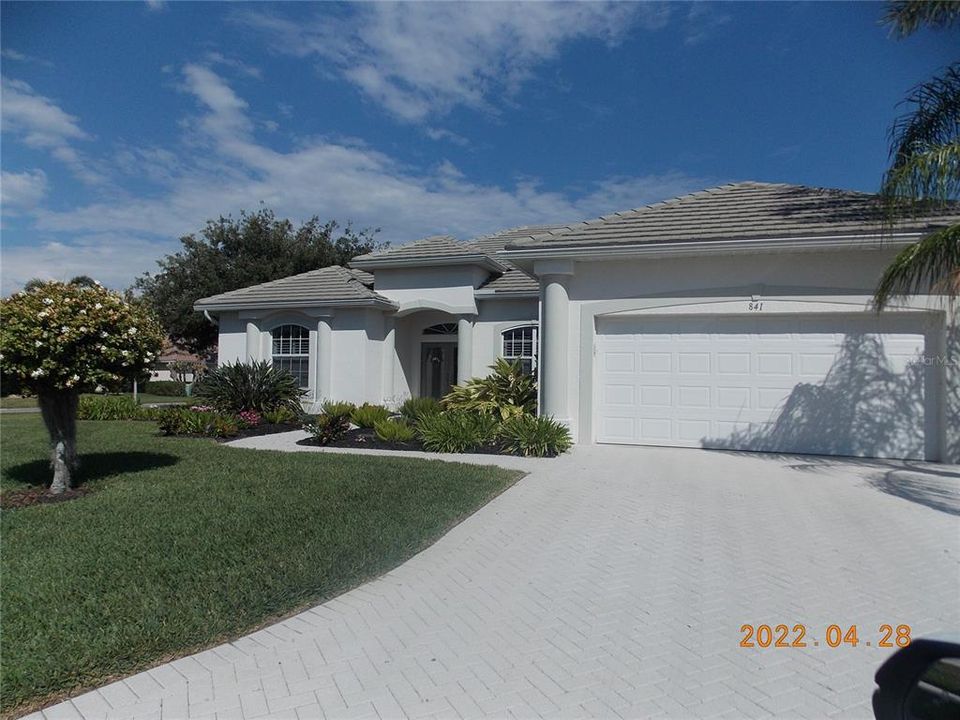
(366, 438)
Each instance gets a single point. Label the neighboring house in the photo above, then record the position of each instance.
(737, 317)
(172, 359)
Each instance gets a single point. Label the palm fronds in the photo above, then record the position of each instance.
(932, 263)
(907, 16)
(925, 146)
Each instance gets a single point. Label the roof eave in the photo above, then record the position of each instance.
(484, 261)
(505, 294)
(522, 255)
(220, 306)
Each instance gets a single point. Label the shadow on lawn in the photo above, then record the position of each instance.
(93, 466)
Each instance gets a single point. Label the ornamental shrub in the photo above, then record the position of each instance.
(190, 421)
(112, 407)
(506, 392)
(280, 416)
(341, 409)
(328, 428)
(236, 387)
(367, 415)
(413, 408)
(60, 339)
(394, 431)
(534, 436)
(456, 432)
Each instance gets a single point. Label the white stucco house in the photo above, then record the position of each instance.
(737, 317)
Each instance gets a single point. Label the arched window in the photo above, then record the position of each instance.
(441, 329)
(291, 352)
(520, 344)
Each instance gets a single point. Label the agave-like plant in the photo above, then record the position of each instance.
(506, 392)
(256, 386)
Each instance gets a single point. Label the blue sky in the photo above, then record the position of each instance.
(127, 125)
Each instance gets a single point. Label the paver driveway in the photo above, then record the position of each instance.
(610, 582)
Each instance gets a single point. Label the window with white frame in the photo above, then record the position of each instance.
(520, 345)
(291, 352)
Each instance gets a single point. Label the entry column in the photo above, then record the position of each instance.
(464, 349)
(554, 337)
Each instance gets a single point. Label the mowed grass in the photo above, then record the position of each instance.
(31, 402)
(186, 542)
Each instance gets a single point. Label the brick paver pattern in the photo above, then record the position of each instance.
(611, 582)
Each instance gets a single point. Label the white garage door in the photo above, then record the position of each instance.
(840, 385)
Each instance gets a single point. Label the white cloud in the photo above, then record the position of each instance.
(448, 135)
(156, 5)
(37, 119)
(702, 21)
(423, 59)
(342, 180)
(22, 191)
(16, 55)
(42, 124)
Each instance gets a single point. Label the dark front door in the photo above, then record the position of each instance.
(438, 368)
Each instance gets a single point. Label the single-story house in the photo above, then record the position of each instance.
(738, 317)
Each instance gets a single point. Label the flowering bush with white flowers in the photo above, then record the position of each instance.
(61, 339)
(72, 337)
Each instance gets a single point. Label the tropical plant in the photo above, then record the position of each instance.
(456, 432)
(340, 408)
(397, 431)
(534, 436)
(924, 171)
(506, 392)
(413, 408)
(280, 416)
(256, 386)
(367, 415)
(190, 421)
(60, 339)
(328, 428)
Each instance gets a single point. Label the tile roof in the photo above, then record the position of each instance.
(739, 210)
(429, 248)
(513, 280)
(332, 284)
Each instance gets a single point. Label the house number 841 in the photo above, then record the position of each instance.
(755, 305)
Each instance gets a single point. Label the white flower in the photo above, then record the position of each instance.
(76, 378)
(64, 329)
(97, 306)
(47, 301)
(37, 343)
(37, 373)
(104, 333)
(69, 383)
(124, 352)
(98, 388)
(132, 331)
(82, 311)
(42, 314)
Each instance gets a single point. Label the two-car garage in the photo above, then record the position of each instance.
(855, 384)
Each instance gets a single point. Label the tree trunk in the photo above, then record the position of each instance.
(59, 411)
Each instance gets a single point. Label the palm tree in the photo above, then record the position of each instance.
(925, 165)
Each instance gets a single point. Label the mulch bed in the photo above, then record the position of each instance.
(265, 429)
(367, 438)
(11, 499)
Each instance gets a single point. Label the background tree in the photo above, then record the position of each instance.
(61, 339)
(925, 165)
(233, 253)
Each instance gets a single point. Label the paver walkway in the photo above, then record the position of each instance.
(611, 582)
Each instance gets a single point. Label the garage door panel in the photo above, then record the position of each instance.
(847, 385)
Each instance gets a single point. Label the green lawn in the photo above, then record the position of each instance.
(17, 402)
(186, 542)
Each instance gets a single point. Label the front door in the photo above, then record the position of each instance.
(438, 368)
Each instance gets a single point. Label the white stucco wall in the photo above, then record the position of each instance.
(848, 277)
